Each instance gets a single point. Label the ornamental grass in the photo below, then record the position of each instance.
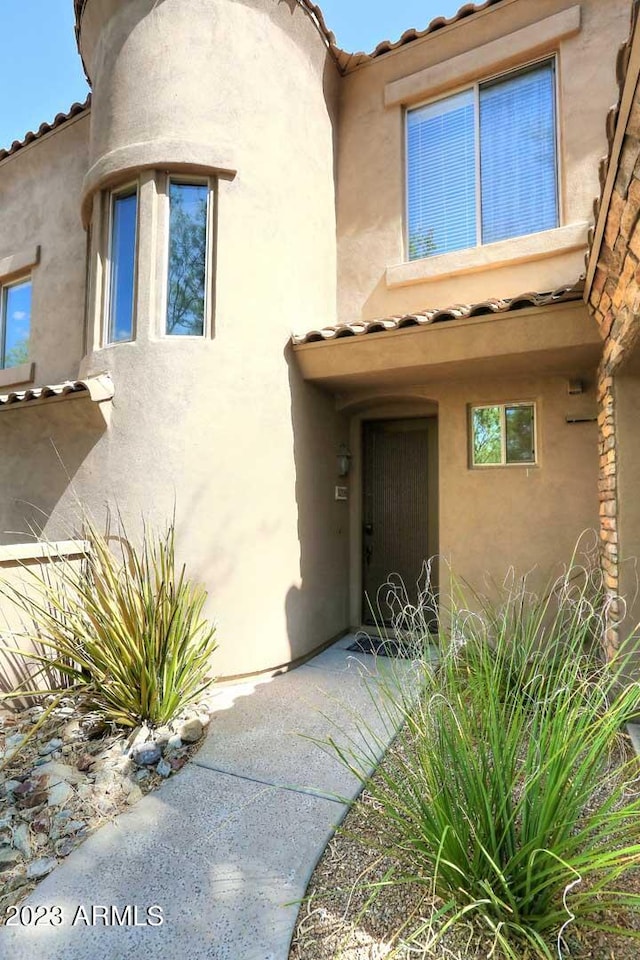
(122, 630)
(512, 797)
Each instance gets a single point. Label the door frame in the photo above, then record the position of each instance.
(390, 410)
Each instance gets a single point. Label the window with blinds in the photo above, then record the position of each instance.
(481, 165)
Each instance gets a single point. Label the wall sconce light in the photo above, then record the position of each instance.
(344, 460)
(575, 387)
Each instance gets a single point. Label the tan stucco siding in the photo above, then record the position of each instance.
(525, 517)
(236, 431)
(371, 177)
(39, 193)
(222, 427)
(492, 519)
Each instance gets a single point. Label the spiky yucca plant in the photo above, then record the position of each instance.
(123, 628)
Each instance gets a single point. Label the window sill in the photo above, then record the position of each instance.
(535, 246)
(16, 376)
(533, 465)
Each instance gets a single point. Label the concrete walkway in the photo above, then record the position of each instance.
(226, 847)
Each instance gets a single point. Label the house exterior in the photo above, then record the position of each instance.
(326, 306)
(613, 295)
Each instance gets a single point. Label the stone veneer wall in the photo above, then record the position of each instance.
(614, 300)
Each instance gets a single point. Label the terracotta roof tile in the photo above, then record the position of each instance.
(61, 118)
(359, 328)
(349, 61)
(346, 61)
(98, 388)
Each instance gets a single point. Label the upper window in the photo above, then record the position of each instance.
(15, 323)
(187, 284)
(482, 164)
(122, 266)
(503, 434)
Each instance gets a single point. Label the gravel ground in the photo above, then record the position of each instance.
(336, 921)
(70, 776)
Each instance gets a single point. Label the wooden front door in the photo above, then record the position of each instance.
(396, 515)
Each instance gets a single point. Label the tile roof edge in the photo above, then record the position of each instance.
(98, 388)
(74, 111)
(569, 293)
(345, 59)
(351, 61)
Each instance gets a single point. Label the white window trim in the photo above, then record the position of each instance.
(503, 435)
(210, 183)
(4, 287)
(489, 78)
(122, 191)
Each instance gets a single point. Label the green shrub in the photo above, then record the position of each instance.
(509, 793)
(123, 629)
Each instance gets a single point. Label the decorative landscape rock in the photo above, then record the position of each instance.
(57, 772)
(8, 857)
(64, 847)
(40, 868)
(68, 778)
(20, 840)
(164, 769)
(134, 795)
(191, 730)
(59, 794)
(163, 735)
(146, 754)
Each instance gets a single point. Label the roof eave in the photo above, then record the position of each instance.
(387, 325)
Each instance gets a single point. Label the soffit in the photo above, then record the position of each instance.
(359, 328)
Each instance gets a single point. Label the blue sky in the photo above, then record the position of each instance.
(41, 73)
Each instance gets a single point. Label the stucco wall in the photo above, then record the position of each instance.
(224, 426)
(40, 188)
(371, 180)
(492, 519)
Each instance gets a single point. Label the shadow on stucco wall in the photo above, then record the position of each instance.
(43, 448)
(317, 607)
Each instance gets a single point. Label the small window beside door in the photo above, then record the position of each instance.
(503, 434)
